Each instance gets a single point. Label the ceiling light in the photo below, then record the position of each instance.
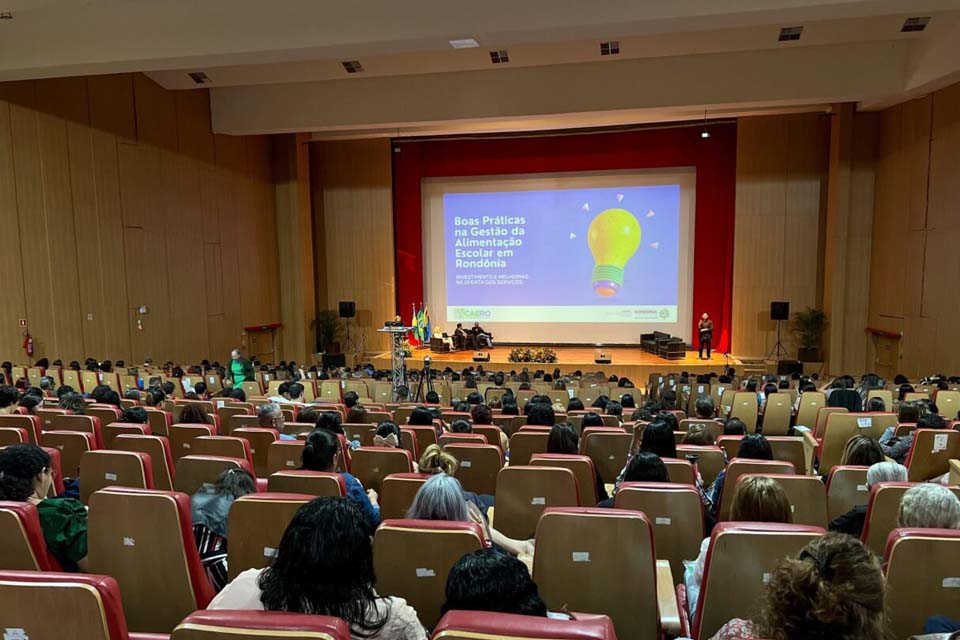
(199, 77)
(464, 43)
(790, 34)
(704, 132)
(911, 25)
(6, 15)
(611, 48)
(499, 57)
(352, 66)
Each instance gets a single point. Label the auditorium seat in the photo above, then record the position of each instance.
(71, 445)
(260, 440)
(112, 430)
(257, 523)
(252, 388)
(159, 421)
(461, 438)
(183, 435)
(680, 471)
(412, 558)
(807, 496)
(90, 606)
(698, 390)
(603, 561)
(479, 465)
(474, 625)
(244, 625)
(810, 404)
(710, 460)
(777, 412)
(524, 492)
(47, 414)
(311, 483)
(884, 394)
(745, 406)
(785, 448)
(22, 546)
(397, 494)
(292, 428)
(284, 455)
(743, 466)
(930, 454)
(581, 466)
(18, 421)
(192, 472)
(490, 432)
(158, 448)
(103, 468)
(715, 428)
(228, 411)
(739, 558)
(523, 444)
(608, 449)
(846, 489)
(426, 436)
(13, 435)
(144, 539)
(883, 509)
(103, 412)
(676, 512)
(362, 433)
(224, 446)
(840, 427)
(371, 465)
(948, 402)
(922, 577)
(84, 424)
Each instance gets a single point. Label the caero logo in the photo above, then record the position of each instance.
(470, 314)
(664, 313)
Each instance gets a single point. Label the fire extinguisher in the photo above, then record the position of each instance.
(28, 344)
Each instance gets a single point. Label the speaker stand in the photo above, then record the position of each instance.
(778, 349)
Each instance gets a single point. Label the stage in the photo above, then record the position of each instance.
(631, 362)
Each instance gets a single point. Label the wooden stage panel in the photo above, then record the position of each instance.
(626, 361)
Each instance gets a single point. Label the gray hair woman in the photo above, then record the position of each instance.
(886, 472)
(930, 506)
(852, 521)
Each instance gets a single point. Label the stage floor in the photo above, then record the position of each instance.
(626, 361)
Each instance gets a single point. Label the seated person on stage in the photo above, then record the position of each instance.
(483, 339)
(459, 337)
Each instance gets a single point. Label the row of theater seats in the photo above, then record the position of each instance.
(600, 561)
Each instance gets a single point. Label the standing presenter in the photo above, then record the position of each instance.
(706, 334)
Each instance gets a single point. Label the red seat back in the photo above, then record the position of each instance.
(229, 624)
(22, 546)
(464, 625)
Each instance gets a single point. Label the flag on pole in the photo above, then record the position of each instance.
(428, 332)
(413, 323)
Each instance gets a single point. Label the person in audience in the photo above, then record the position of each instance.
(25, 476)
(270, 416)
(324, 566)
(132, 394)
(98, 392)
(541, 414)
(30, 402)
(48, 385)
(201, 390)
(862, 451)
(705, 408)
(168, 388)
(241, 369)
(420, 417)
(903, 390)
(753, 447)
(833, 589)
(564, 440)
(238, 394)
(490, 580)
(643, 467)
(9, 397)
(74, 403)
(357, 415)
(699, 434)
(510, 407)
(600, 403)
(135, 415)
(482, 415)
(209, 510)
(432, 397)
(460, 426)
(192, 414)
(575, 404)
(929, 506)
(907, 413)
(875, 405)
(614, 408)
(387, 435)
(768, 389)
(283, 393)
(757, 499)
(443, 498)
(898, 448)
(658, 437)
(591, 419)
(853, 520)
(320, 453)
(804, 387)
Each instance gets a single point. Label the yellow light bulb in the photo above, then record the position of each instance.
(613, 238)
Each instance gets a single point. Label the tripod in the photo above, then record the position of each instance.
(778, 349)
(420, 395)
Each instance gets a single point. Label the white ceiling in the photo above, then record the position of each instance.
(276, 66)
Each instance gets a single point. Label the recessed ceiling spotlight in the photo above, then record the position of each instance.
(352, 66)
(790, 34)
(199, 77)
(6, 15)
(911, 25)
(464, 43)
(611, 48)
(704, 132)
(499, 57)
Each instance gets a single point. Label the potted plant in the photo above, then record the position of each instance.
(808, 325)
(328, 330)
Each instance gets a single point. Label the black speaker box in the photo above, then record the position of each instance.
(334, 360)
(789, 367)
(778, 310)
(348, 309)
(601, 357)
(481, 356)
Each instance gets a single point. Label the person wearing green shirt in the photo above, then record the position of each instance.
(25, 476)
(240, 368)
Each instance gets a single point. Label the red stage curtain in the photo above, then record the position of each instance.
(713, 157)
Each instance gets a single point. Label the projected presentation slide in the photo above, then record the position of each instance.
(588, 254)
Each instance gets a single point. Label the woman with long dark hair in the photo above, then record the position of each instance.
(324, 566)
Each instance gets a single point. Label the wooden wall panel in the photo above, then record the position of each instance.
(915, 263)
(781, 168)
(120, 196)
(354, 181)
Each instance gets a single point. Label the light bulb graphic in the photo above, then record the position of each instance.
(613, 238)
